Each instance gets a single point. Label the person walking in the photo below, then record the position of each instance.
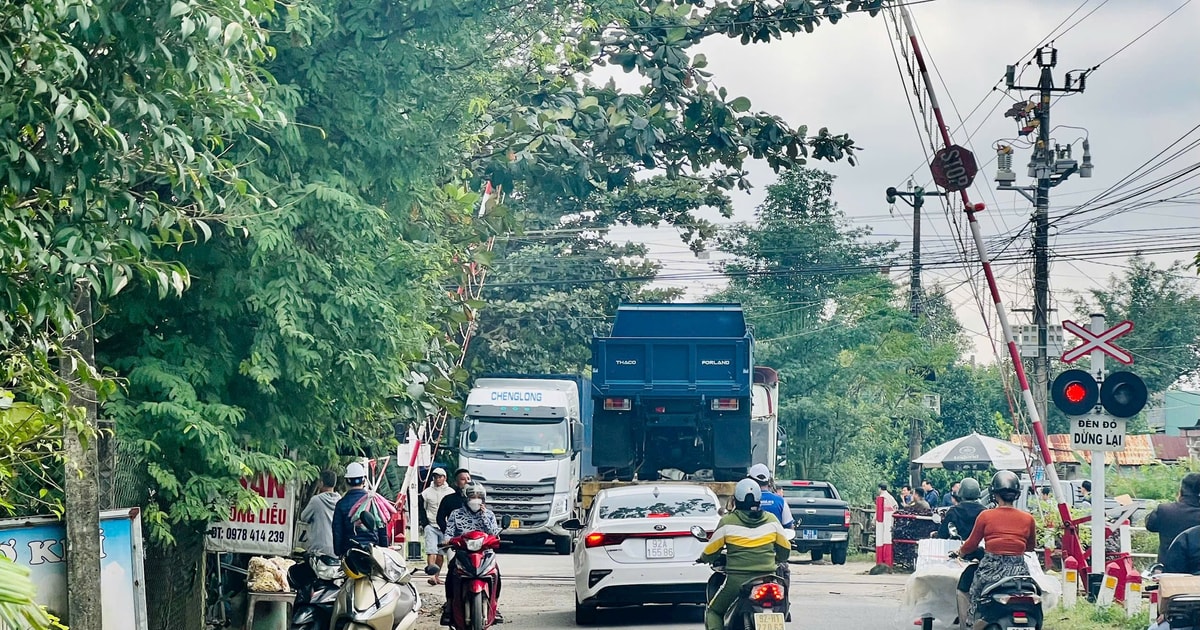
(318, 516)
(431, 500)
(1168, 520)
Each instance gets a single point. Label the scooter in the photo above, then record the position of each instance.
(477, 580)
(762, 603)
(317, 581)
(1178, 599)
(378, 594)
(1013, 602)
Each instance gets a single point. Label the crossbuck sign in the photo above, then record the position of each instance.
(1101, 342)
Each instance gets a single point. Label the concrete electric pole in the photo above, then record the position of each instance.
(918, 194)
(1050, 166)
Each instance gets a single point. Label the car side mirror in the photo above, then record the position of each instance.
(699, 533)
(571, 525)
(722, 511)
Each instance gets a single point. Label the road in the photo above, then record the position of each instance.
(538, 593)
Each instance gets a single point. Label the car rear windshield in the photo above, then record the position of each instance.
(662, 506)
(805, 492)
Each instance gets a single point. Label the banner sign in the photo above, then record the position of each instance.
(265, 532)
(39, 544)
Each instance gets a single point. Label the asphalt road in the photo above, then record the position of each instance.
(539, 593)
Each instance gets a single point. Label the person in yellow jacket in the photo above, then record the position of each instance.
(754, 543)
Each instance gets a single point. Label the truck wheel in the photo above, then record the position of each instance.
(838, 554)
(817, 554)
(562, 545)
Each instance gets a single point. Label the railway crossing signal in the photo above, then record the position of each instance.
(1076, 393)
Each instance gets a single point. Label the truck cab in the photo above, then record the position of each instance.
(522, 438)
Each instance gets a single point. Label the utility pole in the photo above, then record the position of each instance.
(916, 425)
(1050, 167)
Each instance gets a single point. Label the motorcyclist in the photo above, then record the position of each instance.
(1008, 534)
(473, 516)
(959, 521)
(345, 529)
(771, 501)
(754, 543)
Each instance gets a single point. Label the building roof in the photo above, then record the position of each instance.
(1169, 448)
(1139, 450)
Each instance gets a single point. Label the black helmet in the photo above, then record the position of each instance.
(1006, 485)
(747, 496)
(968, 490)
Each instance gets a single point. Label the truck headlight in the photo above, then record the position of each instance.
(559, 508)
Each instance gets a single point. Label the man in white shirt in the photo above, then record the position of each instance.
(431, 498)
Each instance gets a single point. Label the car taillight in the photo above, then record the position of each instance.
(725, 404)
(597, 539)
(618, 404)
(769, 592)
(846, 519)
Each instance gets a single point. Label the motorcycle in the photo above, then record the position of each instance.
(378, 594)
(316, 581)
(1013, 602)
(1178, 601)
(762, 603)
(477, 579)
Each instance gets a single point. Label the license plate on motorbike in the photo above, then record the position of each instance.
(660, 548)
(808, 534)
(768, 621)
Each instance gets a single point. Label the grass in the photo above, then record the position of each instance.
(1086, 616)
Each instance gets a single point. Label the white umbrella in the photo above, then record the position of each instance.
(976, 452)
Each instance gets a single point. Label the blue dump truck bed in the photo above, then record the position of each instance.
(672, 388)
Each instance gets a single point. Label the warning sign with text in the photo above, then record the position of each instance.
(266, 531)
(1097, 432)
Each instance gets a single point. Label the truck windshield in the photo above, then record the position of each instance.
(502, 435)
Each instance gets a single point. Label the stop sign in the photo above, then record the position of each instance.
(953, 168)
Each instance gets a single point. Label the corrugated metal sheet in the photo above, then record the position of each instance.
(1139, 450)
(1169, 448)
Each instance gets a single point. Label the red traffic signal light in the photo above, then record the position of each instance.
(1123, 394)
(1075, 392)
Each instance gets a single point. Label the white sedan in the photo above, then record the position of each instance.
(635, 547)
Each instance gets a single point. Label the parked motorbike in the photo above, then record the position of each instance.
(476, 590)
(1178, 604)
(378, 593)
(1013, 602)
(762, 603)
(317, 581)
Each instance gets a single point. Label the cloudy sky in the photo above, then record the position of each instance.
(1137, 102)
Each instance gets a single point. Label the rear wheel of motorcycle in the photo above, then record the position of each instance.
(838, 554)
(478, 612)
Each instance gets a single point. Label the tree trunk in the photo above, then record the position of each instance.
(82, 514)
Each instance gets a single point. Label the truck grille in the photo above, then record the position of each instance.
(529, 502)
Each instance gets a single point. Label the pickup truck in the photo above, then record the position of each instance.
(822, 518)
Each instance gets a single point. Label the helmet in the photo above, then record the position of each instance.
(747, 496)
(356, 470)
(1006, 485)
(759, 473)
(474, 490)
(968, 490)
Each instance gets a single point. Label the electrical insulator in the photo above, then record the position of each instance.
(1085, 169)
(1004, 160)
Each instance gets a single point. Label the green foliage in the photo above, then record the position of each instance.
(1165, 308)
(1155, 481)
(1087, 616)
(852, 360)
(17, 604)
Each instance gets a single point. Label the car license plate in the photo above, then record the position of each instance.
(657, 548)
(809, 534)
(768, 621)
(514, 524)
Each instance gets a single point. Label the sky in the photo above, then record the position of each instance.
(845, 77)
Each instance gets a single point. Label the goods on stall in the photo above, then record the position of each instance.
(268, 575)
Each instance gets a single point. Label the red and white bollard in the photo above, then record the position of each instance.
(1070, 591)
(883, 532)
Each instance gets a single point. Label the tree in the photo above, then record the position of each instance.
(1165, 309)
(851, 359)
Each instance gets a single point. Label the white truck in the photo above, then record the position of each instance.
(767, 443)
(524, 438)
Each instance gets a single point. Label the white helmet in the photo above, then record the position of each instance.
(759, 473)
(356, 470)
(747, 496)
